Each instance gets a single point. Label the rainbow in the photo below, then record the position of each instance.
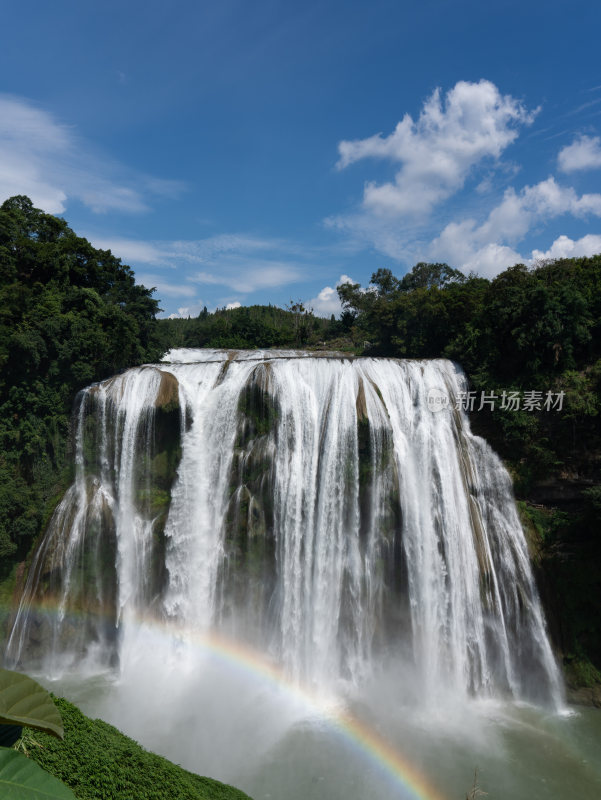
(367, 743)
(356, 733)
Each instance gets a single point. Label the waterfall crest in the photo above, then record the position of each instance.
(311, 505)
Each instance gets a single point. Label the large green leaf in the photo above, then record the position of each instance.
(24, 702)
(23, 779)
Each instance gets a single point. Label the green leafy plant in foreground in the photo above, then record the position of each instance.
(23, 779)
(23, 702)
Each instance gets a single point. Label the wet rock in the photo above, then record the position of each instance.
(168, 394)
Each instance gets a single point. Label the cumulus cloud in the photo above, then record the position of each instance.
(182, 313)
(564, 247)
(232, 306)
(327, 301)
(458, 136)
(491, 259)
(464, 245)
(44, 158)
(584, 153)
(485, 248)
(437, 151)
(518, 211)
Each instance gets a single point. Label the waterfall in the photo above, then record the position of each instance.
(312, 506)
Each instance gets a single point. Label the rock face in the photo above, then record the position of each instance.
(585, 696)
(559, 492)
(247, 574)
(167, 398)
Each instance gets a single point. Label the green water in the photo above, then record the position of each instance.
(269, 744)
(521, 756)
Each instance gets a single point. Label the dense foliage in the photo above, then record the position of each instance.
(98, 762)
(250, 327)
(69, 315)
(527, 330)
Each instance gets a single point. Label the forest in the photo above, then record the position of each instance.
(71, 314)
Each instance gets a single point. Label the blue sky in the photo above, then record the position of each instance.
(240, 152)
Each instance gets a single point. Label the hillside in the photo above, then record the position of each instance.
(98, 762)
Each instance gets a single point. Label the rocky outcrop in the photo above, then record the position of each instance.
(168, 394)
(585, 696)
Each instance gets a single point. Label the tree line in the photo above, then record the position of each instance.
(527, 329)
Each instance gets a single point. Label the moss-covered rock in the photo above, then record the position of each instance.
(248, 573)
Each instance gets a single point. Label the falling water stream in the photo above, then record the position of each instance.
(268, 557)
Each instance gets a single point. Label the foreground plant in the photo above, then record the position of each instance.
(23, 702)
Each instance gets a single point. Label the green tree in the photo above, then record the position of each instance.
(70, 314)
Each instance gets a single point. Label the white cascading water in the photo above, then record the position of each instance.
(311, 506)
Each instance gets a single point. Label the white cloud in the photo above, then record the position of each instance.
(485, 248)
(518, 211)
(241, 262)
(438, 151)
(462, 244)
(457, 136)
(182, 313)
(232, 306)
(564, 247)
(132, 251)
(45, 159)
(164, 288)
(246, 275)
(583, 153)
(327, 301)
(195, 251)
(491, 259)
